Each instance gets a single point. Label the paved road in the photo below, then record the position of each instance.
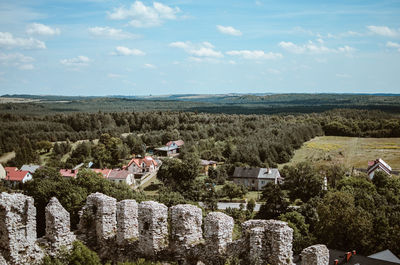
(234, 205)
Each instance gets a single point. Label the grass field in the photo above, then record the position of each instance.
(350, 151)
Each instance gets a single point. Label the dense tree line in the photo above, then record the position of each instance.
(353, 213)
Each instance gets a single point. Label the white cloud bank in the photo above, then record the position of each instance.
(384, 31)
(255, 54)
(142, 16)
(228, 30)
(7, 40)
(204, 49)
(312, 47)
(125, 51)
(17, 60)
(394, 45)
(111, 33)
(76, 62)
(40, 29)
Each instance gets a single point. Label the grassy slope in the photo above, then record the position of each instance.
(351, 151)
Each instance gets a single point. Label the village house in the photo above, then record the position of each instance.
(69, 173)
(142, 165)
(3, 172)
(256, 178)
(121, 176)
(104, 172)
(170, 149)
(378, 165)
(206, 164)
(15, 176)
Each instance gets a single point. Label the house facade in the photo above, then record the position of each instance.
(3, 172)
(122, 176)
(142, 165)
(206, 164)
(256, 178)
(378, 165)
(15, 176)
(170, 149)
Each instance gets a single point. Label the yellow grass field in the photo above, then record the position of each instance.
(350, 151)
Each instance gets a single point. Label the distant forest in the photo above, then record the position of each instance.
(229, 104)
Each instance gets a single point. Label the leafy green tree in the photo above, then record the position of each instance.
(302, 237)
(251, 204)
(82, 255)
(342, 225)
(232, 190)
(275, 202)
(302, 181)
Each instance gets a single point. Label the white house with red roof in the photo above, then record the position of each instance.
(142, 165)
(15, 175)
(121, 176)
(378, 165)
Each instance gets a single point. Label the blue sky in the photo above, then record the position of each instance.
(118, 47)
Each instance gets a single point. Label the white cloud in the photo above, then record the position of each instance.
(395, 45)
(229, 30)
(384, 31)
(27, 67)
(111, 33)
(17, 60)
(273, 71)
(204, 49)
(7, 40)
(255, 54)
(125, 51)
(40, 29)
(149, 66)
(76, 62)
(142, 16)
(343, 75)
(111, 75)
(312, 47)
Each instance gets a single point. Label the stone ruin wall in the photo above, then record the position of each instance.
(126, 230)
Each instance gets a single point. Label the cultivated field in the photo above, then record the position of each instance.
(350, 151)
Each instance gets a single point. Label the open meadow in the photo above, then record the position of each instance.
(350, 151)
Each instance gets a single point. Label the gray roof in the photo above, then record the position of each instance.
(258, 173)
(30, 168)
(207, 162)
(386, 255)
(166, 148)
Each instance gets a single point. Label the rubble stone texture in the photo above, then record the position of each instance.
(186, 221)
(153, 227)
(18, 230)
(279, 237)
(98, 218)
(127, 221)
(218, 228)
(58, 231)
(315, 255)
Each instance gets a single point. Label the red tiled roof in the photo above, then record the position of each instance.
(148, 161)
(18, 175)
(104, 172)
(68, 173)
(178, 143)
(10, 169)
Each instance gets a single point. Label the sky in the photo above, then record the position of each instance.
(136, 48)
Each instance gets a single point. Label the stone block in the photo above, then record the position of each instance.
(127, 221)
(315, 255)
(218, 228)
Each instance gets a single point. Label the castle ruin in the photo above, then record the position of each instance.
(126, 230)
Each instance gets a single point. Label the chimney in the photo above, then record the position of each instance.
(354, 252)
(336, 262)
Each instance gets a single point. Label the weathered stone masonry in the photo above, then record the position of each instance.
(125, 231)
